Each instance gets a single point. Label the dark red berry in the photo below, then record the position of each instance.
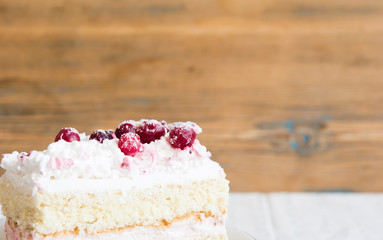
(68, 134)
(125, 127)
(110, 134)
(100, 135)
(150, 130)
(129, 144)
(181, 135)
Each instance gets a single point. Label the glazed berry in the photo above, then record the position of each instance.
(150, 130)
(129, 144)
(125, 127)
(182, 135)
(100, 135)
(110, 134)
(68, 134)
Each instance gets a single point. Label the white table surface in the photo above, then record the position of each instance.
(308, 216)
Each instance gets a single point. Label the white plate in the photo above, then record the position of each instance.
(2, 233)
(234, 233)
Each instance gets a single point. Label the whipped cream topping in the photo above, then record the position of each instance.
(88, 161)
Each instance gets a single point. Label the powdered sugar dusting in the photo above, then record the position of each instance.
(68, 134)
(134, 123)
(149, 121)
(187, 124)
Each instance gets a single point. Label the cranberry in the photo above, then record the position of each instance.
(150, 130)
(125, 127)
(110, 134)
(130, 144)
(68, 134)
(100, 135)
(182, 135)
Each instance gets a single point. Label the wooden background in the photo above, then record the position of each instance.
(289, 93)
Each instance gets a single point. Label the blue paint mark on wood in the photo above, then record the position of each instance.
(289, 125)
(302, 136)
(294, 145)
(305, 138)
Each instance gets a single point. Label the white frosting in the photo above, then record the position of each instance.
(92, 166)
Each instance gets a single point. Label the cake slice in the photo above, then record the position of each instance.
(146, 180)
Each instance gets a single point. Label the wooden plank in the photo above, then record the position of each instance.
(288, 94)
(23, 12)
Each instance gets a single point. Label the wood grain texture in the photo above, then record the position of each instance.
(288, 93)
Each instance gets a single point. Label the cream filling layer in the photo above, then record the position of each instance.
(190, 229)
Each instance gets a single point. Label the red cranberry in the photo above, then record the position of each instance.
(130, 144)
(125, 127)
(110, 134)
(181, 135)
(100, 135)
(150, 130)
(68, 134)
